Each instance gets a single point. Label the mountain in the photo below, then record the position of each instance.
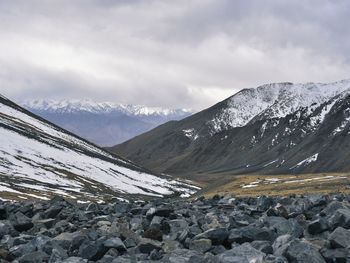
(39, 159)
(274, 128)
(103, 123)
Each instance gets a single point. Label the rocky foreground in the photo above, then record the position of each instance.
(222, 229)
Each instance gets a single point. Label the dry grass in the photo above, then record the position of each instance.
(287, 184)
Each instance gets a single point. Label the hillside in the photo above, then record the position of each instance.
(39, 159)
(273, 129)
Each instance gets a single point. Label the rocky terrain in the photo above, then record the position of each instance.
(296, 229)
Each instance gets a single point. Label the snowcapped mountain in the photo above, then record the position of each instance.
(38, 159)
(274, 128)
(104, 123)
(87, 105)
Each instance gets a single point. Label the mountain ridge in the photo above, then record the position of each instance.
(212, 141)
(103, 123)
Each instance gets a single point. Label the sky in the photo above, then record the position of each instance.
(168, 53)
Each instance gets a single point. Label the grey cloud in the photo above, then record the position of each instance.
(185, 53)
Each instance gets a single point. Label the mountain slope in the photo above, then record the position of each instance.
(38, 159)
(275, 128)
(103, 123)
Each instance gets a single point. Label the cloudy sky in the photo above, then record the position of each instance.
(176, 53)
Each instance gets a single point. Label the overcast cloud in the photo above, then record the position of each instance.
(176, 53)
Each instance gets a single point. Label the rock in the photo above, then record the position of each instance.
(154, 232)
(263, 246)
(218, 236)
(182, 256)
(47, 223)
(251, 233)
(93, 250)
(177, 225)
(164, 211)
(281, 244)
(302, 252)
(3, 212)
(318, 226)
(21, 250)
(116, 243)
(21, 222)
(57, 254)
(146, 246)
(340, 238)
(34, 257)
(341, 218)
(200, 245)
(171, 245)
(53, 211)
(74, 260)
(65, 239)
(336, 255)
(242, 254)
(291, 227)
(5, 229)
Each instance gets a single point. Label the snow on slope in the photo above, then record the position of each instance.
(41, 157)
(274, 101)
(74, 105)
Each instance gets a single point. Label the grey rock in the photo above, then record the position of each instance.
(34, 257)
(242, 254)
(318, 226)
(200, 245)
(21, 222)
(341, 218)
(116, 243)
(263, 246)
(302, 252)
(217, 235)
(146, 246)
(93, 250)
(251, 233)
(340, 238)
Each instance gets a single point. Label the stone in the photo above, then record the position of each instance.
(263, 246)
(93, 250)
(154, 232)
(34, 257)
(200, 245)
(340, 238)
(164, 211)
(302, 252)
(290, 226)
(244, 253)
(251, 233)
(3, 212)
(116, 243)
(341, 218)
(21, 222)
(218, 236)
(146, 246)
(336, 255)
(74, 260)
(318, 226)
(53, 211)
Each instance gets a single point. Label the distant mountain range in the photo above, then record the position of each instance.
(103, 123)
(274, 128)
(38, 159)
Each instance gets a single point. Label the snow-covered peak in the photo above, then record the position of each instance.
(274, 101)
(88, 105)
